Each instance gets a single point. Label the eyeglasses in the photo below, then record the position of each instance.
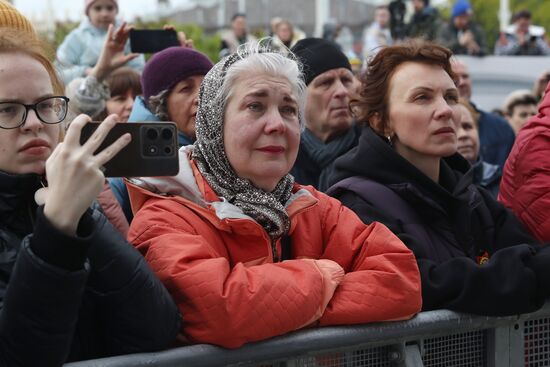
(49, 110)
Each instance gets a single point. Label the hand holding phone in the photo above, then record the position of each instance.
(153, 150)
(74, 172)
(152, 40)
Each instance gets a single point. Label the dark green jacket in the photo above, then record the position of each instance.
(448, 37)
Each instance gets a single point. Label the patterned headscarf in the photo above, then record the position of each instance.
(266, 208)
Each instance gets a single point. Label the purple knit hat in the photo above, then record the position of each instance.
(170, 66)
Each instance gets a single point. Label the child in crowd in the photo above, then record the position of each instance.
(80, 50)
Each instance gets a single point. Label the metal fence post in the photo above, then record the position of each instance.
(407, 355)
(517, 344)
(498, 347)
(413, 357)
(505, 345)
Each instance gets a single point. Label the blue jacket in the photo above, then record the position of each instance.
(81, 48)
(496, 138)
(487, 176)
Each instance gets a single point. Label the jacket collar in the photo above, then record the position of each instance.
(486, 173)
(190, 188)
(140, 112)
(374, 159)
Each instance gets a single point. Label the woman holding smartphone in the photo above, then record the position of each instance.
(71, 287)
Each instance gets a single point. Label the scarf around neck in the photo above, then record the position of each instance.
(266, 208)
(324, 155)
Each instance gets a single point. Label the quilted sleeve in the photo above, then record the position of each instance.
(529, 176)
(223, 303)
(382, 280)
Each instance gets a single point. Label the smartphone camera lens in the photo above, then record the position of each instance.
(167, 150)
(152, 134)
(167, 134)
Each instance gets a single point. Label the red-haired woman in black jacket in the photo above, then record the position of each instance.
(473, 254)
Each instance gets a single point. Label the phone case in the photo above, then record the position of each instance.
(153, 150)
(152, 40)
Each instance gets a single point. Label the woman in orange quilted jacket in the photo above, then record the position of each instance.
(245, 251)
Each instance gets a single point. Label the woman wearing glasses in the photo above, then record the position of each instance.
(71, 288)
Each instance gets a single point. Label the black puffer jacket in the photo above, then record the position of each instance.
(68, 298)
(450, 227)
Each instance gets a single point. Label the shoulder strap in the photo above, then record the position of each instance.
(376, 194)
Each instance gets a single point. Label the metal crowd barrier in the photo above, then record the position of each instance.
(435, 338)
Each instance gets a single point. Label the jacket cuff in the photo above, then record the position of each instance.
(59, 249)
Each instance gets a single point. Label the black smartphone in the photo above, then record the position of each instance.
(153, 150)
(152, 40)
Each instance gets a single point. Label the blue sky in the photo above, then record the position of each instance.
(74, 9)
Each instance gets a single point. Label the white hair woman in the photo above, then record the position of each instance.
(245, 251)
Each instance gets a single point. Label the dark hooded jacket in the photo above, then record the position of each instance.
(424, 24)
(65, 298)
(473, 254)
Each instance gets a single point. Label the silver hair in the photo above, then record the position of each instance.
(267, 208)
(259, 58)
(158, 104)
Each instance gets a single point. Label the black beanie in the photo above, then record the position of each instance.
(319, 55)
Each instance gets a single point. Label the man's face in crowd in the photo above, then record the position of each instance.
(418, 5)
(520, 114)
(523, 24)
(461, 21)
(327, 107)
(464, 83)
(382, 17)
(239, 26)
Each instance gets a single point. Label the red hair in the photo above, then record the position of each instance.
(375, 82)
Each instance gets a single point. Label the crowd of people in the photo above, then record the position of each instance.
(461, 33)
(306, 196)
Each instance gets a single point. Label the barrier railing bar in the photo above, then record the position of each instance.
(313, 341)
